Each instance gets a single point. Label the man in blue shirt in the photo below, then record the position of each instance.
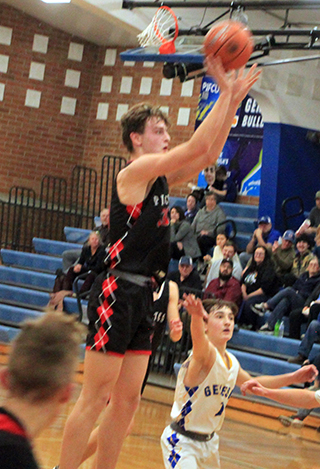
(264, 236)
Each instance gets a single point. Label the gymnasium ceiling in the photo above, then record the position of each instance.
(105, 22)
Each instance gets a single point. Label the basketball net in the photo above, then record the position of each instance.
(162, 31)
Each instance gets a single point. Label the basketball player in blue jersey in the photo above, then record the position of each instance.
(120, 305)
(205, 383)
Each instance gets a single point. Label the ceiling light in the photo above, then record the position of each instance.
(56, 1)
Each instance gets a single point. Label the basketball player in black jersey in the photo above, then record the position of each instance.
(120, 305)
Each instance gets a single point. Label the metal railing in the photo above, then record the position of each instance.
(25, 216)
(292, 209)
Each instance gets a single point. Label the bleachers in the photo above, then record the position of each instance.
(267, 345)
(27, 278)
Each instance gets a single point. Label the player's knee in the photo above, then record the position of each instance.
(127, 400)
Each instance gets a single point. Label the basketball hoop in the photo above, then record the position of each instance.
(162, 31)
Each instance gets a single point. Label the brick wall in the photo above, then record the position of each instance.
(61, 99)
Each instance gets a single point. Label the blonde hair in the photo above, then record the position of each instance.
(43, 356)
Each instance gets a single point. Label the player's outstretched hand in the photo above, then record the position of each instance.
(194, 306)
(243, 83)
(305, 374)
(176, 327)
(253, 386)
(222, 78)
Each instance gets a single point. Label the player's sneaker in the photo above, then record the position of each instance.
(286, 420)
(293, 420)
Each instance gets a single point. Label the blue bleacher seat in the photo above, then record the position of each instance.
(26, 277)
(31, 261)
(7, 334)
(282, 346)
(55, 248)
(34, 299)
(76, 235)
(17, 315)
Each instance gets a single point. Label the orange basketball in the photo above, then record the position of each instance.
(231, 41)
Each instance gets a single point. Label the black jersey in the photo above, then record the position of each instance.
(139, 234)
(15, 449)
(160, 305)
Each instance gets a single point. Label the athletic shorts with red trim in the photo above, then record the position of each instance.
(120, 316)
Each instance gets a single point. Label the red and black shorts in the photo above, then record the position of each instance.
(120, 316)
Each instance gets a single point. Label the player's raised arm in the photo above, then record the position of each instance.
(302, 375)
(201, 347)
(292, 397)
(241, 84)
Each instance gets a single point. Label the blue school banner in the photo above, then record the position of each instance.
(242, 153)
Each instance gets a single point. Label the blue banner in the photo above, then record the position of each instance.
(242, 153)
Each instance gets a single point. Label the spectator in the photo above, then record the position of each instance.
(307, 314)
(70, 256)
(91, 261)
(224, 187)
(182, 238)
(38, 381)
(221, 240)
(311, 336)
(316, 250)
(192, 208)
(289, 298)
(283, 253)
(311, 224)
(258, 283)
(200, 192)
(225, 287)
(206, 221)
(301, 259)
(228, 252)
(186, 277)
(264, 236)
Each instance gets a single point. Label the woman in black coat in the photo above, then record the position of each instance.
(258, 283)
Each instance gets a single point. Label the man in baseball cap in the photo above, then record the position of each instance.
(283, 253)
(187, 278)
(264, 236)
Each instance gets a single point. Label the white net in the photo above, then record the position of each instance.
(162, 29)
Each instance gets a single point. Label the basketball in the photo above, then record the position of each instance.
(231, 41)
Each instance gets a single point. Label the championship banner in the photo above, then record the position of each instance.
(242, 153)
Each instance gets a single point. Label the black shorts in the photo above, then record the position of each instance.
(120, 316)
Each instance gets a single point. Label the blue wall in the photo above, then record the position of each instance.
(290, 167)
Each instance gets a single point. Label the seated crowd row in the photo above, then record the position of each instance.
(279, 274)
